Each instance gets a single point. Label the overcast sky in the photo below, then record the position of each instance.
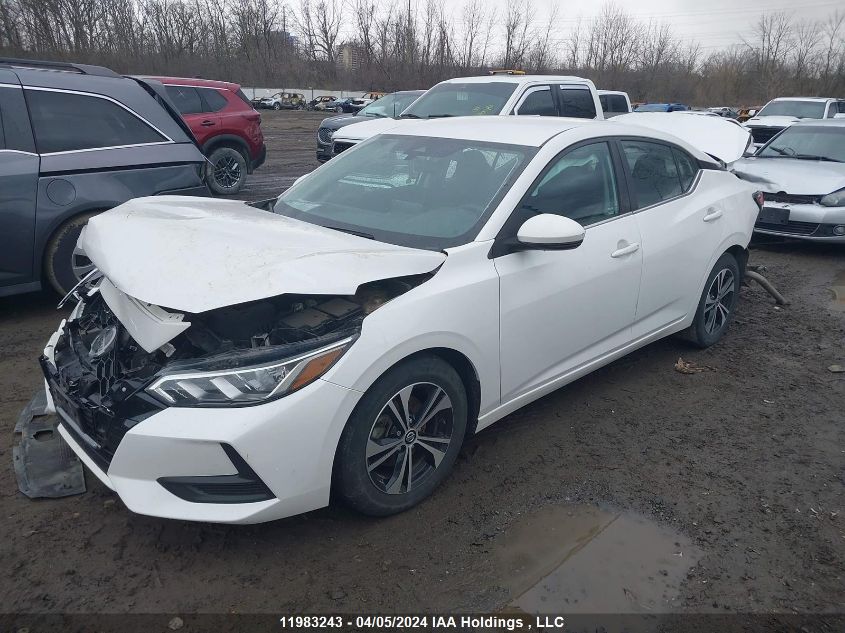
(715, 24)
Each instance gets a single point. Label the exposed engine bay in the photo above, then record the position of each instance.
(96, 359)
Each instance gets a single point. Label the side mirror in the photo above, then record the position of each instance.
(548, 231)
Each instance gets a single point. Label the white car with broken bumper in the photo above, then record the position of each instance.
(236, 365)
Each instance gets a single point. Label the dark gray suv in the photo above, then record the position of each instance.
(76, 140)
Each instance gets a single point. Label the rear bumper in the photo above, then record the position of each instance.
(259, 158)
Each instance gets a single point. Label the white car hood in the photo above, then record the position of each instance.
(712, 135)
(197, 254)
(771, 121)
(365, 129)
(790, 175)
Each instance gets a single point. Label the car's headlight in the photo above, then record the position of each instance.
(247, 385)
(835, 199)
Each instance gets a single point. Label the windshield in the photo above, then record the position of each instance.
(800, 109)
(390, 105)
(421, 192)
(810, 142)
(456, 99)
(652, 107)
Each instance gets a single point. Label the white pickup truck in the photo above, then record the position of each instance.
(778, 114)
(533, 95)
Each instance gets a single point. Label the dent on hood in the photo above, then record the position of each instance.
(196, 255)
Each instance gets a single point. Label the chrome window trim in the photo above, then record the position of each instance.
(168, 140)
(17, 151)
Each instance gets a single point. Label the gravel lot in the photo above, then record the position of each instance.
(744, 461)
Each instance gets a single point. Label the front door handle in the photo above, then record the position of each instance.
(712, 214)
(631, 248)
(207, 123)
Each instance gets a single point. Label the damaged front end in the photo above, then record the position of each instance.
(118, 360)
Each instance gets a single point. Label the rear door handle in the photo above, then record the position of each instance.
(712, 214)
(631, 248)
(207, 123)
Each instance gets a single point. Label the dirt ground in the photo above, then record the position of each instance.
(744, 461)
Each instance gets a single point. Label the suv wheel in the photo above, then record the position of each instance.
(64, 262)
(277, 106)
(227, 171)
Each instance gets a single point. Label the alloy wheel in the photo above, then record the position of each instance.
(227, 172)
(720, 298)
(409, 438)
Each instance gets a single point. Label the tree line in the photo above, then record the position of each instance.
(305, 42)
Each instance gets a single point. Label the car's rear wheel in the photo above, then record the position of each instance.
(339, 110)
(403, 438)
(227, 171)
(718, 301)
(64, 262)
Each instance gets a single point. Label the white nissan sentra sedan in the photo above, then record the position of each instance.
(225, 363)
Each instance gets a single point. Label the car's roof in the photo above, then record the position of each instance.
(512, 79)
(192, 81)
(804, 99)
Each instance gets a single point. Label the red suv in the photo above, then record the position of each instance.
(225, 125)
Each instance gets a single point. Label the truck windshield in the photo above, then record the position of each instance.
(462, 99)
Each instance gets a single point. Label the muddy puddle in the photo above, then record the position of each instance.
(582, 559)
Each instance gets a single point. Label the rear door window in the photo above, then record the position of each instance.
(538, 101)
(577, 101)
(687, 169)
(213, 99)
(186, 99)
(654, 174)
(66, 122)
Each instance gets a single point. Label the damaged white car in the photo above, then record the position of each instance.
(230, 364)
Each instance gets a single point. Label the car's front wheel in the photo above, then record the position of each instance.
(226, 171)
(277, 106)
(717, 303)
(403, 438)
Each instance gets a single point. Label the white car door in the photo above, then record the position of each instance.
(560, 309)
(680, 219)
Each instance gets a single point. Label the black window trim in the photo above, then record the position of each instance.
(501, 243)
(11, 150)
(628, 175)
(106, 98)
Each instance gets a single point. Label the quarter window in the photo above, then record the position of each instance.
(65, 122)
(580, 185)
(213, 99)
(538, 102)
(654, 174)
(577, 102)
(186, 99)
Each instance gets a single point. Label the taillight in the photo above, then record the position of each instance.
(759, 198)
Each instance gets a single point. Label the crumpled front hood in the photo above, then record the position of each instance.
(791, 175)
(771, 121)
(366, 129)
(196, 254)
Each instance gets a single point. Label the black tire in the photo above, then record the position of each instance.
(277, 106)
(364, 486)
(226, 173)
(62, 267)
(718, 301)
